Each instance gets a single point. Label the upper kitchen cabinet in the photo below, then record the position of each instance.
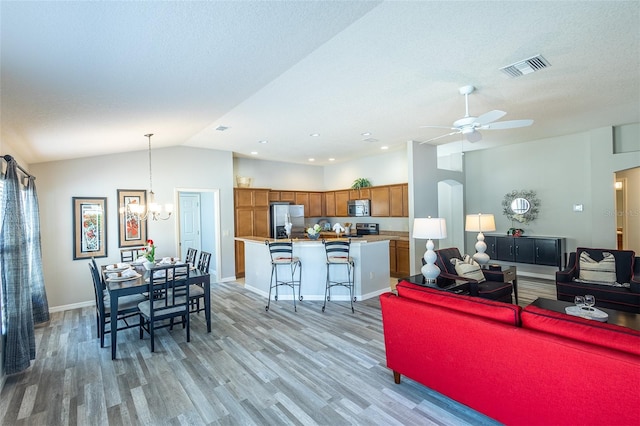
(315, 205)
(247, 197)
(380, 201)
(399, 200)
(329, 203)
(302, 198)
(342, 197)
(360, 194)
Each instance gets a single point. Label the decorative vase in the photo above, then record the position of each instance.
(313, 236)
(148, 265)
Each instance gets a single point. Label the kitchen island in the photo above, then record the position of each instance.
(371, 272)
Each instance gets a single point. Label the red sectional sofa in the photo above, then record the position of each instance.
(518, 366)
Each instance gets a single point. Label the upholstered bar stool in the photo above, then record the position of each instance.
(338, 258)
(282, 258)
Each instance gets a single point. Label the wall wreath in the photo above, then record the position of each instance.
(521, 206)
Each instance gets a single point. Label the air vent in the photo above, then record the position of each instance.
(527, 66)
(370, 140)
(221, 128)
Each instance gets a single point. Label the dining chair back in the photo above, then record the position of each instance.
(169, 300)
(127, 306)
(337, 253)
(203, 262)
(130, 254)
(191, 256)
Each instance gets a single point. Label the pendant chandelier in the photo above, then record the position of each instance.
(152, 209)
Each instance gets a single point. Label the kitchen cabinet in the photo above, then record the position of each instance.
(547, 251)
(329, 204)
(399, 265)
(251, 218)
(380, 201)
(360, 194)
(396, 207)
(288, 196)
(302, 198)
(342, 197)
(315, 205)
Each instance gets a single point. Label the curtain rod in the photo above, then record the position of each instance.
(8, 158)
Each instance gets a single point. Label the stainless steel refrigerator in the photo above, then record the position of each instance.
(281, 213)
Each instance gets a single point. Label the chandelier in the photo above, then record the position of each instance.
(152, 209)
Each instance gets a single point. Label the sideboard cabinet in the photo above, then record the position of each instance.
(532, 250)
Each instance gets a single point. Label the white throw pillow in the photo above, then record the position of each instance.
(468, 270)
(603, 272)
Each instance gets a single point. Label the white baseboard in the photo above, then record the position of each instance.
(71, 306)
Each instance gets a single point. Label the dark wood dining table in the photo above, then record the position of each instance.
(118, 289)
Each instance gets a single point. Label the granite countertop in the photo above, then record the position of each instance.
(384, 235)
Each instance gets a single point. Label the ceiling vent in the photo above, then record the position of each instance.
(527, 66)
(222, 128)
(370, 140)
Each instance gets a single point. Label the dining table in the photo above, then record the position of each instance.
(137, 285)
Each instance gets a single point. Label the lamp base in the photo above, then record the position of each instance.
(429, 269)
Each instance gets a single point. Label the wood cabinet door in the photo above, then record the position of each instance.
(354, 194)
(402, 258)
(547, 251)
(505, 249)
(342, 197)
(490, 241)
(329, 204)
(405, 200)
(261, 197)
(244, 221)
(274, 195)
(380, 201)
(261, 222)
(525, 252)
(239, 249)
(365, 193)
(393, 268)
(315, 204)
(243, 197)
(395, 201)
(289, 196)
(302, 198)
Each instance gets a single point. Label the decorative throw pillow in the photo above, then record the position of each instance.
(468, 270)
(603, 272)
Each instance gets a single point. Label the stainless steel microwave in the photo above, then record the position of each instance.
(358, 208)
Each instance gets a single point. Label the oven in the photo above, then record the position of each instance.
(367, 229)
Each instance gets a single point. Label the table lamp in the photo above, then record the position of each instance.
(429, 229)
(480, 223)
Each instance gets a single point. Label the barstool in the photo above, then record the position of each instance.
(338, 256)
(282, 255)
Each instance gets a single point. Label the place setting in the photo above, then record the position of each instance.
(584, 308)
(120, 272)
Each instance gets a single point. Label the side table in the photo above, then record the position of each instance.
(453, 288)
(509, 275)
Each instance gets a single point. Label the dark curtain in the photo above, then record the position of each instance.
(21, 268)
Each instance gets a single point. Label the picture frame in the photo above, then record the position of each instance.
(132, 230)
(89, 227)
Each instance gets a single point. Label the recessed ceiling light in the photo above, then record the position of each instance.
(312, 159)
(366, 134)
(263, 141)
(315, 135)
(254, 152)
(332, 159)
(384, 147)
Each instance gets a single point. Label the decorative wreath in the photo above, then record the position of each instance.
(530, 214)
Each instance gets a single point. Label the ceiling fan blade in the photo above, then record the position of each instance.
(474, 136)
(440, 137)
(508, 124)
(490, 116)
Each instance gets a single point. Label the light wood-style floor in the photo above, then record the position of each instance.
(255, 367)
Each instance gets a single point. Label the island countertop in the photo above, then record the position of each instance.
(371, 271)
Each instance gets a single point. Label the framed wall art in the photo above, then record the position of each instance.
(89, 227)
(132, 230)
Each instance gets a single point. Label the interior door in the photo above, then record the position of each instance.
(190, 235)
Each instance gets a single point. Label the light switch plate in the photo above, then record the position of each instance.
(577, 207)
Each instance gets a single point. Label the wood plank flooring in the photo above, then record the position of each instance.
(255, 367)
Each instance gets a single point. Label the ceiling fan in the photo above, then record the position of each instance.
(469, 125)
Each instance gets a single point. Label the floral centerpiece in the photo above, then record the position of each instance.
(150, 254)
(313, 232)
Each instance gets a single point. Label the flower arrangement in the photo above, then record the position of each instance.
(151, 251)
(314, 230)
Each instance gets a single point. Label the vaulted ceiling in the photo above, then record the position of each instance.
(91, 78)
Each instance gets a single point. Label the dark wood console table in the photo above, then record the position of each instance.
(535, 250)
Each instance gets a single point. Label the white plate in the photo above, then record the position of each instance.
(594, 313)
(110, 268)
(118, 279)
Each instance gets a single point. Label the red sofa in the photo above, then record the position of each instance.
(530, 366)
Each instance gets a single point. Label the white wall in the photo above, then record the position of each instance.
(278, 175)
(67, 281)
(384, 169)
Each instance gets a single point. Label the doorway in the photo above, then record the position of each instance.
(627, 209)
(199, 224)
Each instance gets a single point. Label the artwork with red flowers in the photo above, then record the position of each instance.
(132, 227)
(89, 227)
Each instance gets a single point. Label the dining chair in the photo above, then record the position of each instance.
(128, 255)
(337, 253)
(169, 300)
(127, 305)
(191, 256)
(196, 291)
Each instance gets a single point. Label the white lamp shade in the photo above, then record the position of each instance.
(430, 228)
(480, 223)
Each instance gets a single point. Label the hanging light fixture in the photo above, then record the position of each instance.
(152, 209)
